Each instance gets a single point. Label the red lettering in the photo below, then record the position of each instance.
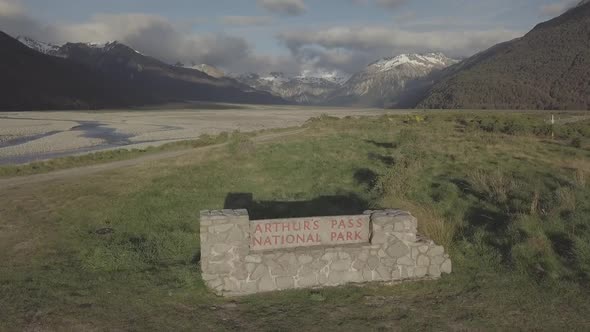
(349, 236)
(267, 228)
(256, 241)
(276, 238)
(287, 226)
(258, 229)
(267, 241)
(290, 239)
(310, 238)
(342, 224)
(334, 223)
(350, 223)
(300, 238)
(306, 225)
(357, 235)
(333, 236)
(359, 222)
(297, 226)
(316, 225)
(340, 236)
(317, 238)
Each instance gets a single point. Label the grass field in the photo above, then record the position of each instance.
(508, 194)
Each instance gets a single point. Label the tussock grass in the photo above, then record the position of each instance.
(120, 250)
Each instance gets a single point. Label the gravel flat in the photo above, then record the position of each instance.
(31, 136)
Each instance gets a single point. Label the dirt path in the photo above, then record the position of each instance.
(92, 169)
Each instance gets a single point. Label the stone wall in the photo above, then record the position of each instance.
(229, 267)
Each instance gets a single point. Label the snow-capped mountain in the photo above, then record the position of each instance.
(111, 74)
(207, 69)
(303, 89)
(383, 82)
(45, 48)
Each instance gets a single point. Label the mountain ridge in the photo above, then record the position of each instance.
(111, 75)
(547, 68)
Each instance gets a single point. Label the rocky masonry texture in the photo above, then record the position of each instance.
(232, 264)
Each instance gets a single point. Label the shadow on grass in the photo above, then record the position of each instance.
(366, 177)
(386, 160)
(321, 206)
(386, 145)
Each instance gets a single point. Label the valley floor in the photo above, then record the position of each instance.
(118, 249)
(32, 136)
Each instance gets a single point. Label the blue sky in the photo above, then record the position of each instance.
(289, 35)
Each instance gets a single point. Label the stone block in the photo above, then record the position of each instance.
(367, 275)
(406, 260)
(414, 252)
(436, 251)
(308, 280)
(434, 270)
(378, 238)
(446, 266)
(373, 262)
(423, 260)
(236, 235)
(285, 282)
(304, 259)
(220, 228)
(335, 278)
(266, 283)
(399, 226)
(250, 267)
(231, 285)
(358, 264)
(340, 265)
(277, 270)
(420, 271)
(353, 276)
(384, 273)
(438, 260)
(215, 284)
(398, 249)
(260, 271)
(249, 287)
(253, 259)
(220, 249)
(219, 268)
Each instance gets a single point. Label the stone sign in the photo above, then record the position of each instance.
(306, 232)
(241, 256)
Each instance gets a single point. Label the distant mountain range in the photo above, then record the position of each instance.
(382, 83)
(548, 68)
(299, 89)
(36, 75)
(385, 83)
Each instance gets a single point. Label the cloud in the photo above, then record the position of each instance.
(284, 7)
(10, 8)
(246, 20)
(390, 3)
(338, 48)
(558, 8)
(349, 48)
(150, 34)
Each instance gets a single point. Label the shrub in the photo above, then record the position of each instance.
(576, 142)
(495, 185)
(535, 257)
(240, 144)
(436, 227)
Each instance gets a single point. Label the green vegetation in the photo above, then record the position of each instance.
(123, 154)
(119, 251)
